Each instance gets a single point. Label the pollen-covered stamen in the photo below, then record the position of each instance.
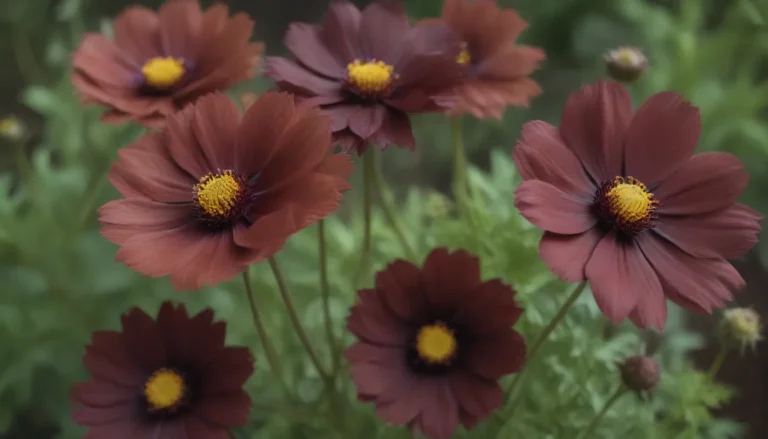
(626, 204)
(370, 79)
(436, 343)
(165, 390)
(221, 197)
(464, 57)
(162, 73)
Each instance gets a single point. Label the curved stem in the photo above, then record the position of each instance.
(295, 320)
(325, 292)
(261, 331)
(599, 416)
(513, 387)
(460, 190)
(368, 176)
(388, 208)
(718, 361)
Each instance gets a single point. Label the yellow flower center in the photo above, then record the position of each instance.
(218, 194)
(464, 57)
(370, 78)
(165, 389)
(627, 204)
(435, 343)
(163, 72)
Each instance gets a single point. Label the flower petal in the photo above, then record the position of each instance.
(180, 24)
(306, 44)
(215, 124)
(395, 130)
(541, 155)
(495, 355)
(553, 210)
(340, 29)
(228, 372)
(492, 309)
(448, 278)
(197, 429)
(143, 339)
(477, 396)
(225, 410)
(100, 393)
(292, 77)
(593, 124)
(259, 134)
(399, 286)
(705, 183)
(372, 321)
(137, 31)
(439, 417)
(382, 28)
(567, 255)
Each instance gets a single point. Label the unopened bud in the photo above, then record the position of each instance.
(640, 373)
(625, 64)
(438, 205)
(12, 128)
(741, 327)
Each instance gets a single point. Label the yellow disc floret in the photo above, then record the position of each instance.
(464, 57)
(165, 389)
(436, 343)
(370, 78)
(630, 202)
(163, 72)
(218, 194)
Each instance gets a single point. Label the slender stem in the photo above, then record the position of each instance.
(513, 387)
(295, 320)
(261, 331)
(599, 416)
(368, 176)
(459, 164)
(388, 209)
(93, 196)
(718, 362)
(325, 292)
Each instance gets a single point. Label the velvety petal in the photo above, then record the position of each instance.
(512, 63)
(108, 358)
(101, 393)
(228, 372)
(225, 410)
(727, 233)
(541, 155)
(704, 183)
(449, 278)
(372, 321)
(196, 340)
(488, 99)
(594, 123)
(553, 210)
(291, 76)
(121, 429)
(399, 286)
(395, 130)
(478, 397)
(137, 32)
(699, 285)
(439, 417)
(368, 120)
(98, 416)
(348, 142)
(180, 23)
(99, 59)
(340, 29)
(305, 42)
(426, 60)
(495, 355)
(567, 255)
(215, 124)
(362, 352)
(143, 339)
(198, 429)
(663, 134)
(385, 380)
(382, 28)
(124, 218)
(621, 278)
(182, 145)
(263, 125)
(492, 309)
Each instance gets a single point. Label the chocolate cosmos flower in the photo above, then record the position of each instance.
(497, 67)
(166, 379)
(626, 205)
(370, 70)
(211, 194)
(433, 342)
(160, 62)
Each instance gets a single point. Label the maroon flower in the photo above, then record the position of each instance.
(160, 62)
(370, 70)
(626, 205)
(498, 68)
(433, 342)
(165, 379)
(211, 194)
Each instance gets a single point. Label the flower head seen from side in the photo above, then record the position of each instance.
(433, 342)
(216, 191)
(369, 70)
(497, 68)
(167, 378)
(159, 62)
(626, 205)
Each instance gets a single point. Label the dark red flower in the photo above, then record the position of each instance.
(159, 62)
(211, 193)
(369, 70)
(166, 379)
(626, 205)
(498, 68)
(433, 342)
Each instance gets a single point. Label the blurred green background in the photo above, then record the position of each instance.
(58, 281)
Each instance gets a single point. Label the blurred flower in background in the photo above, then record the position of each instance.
(12, 128)
(625, 64)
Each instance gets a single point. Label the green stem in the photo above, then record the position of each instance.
(599, 416)
(513, 387)
(460, 190)
(388, 208)
(718, 361)
(97, 188)
(325, 292)
(369, 165)
(294, 317)
(261, 331)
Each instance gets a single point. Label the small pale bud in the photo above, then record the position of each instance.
(640, 373)
(12, 128)
(741, 327)
(438, 205)
(625, 64)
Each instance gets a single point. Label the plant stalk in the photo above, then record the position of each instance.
(325, 293)
(599, 416)
(388, 208)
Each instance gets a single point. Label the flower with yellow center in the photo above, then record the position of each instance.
(627, 204)
(464, 57)
(163, 72)
(370, 78)
(436, 343)
(164, 390)
(741, 327)
(219, 195)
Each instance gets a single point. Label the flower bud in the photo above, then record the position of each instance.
(625, 64)
(740, 327)
(12, 128)
(640, 373)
